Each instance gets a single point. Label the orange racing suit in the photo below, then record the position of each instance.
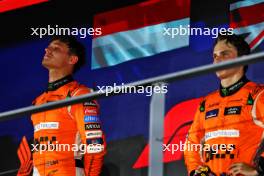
(68, 140)
(227, 128)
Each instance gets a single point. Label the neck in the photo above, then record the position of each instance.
(226, 82)
(55, 75)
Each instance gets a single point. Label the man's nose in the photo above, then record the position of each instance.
(47, 50)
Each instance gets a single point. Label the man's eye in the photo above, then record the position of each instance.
(56, 49)
(214, 56)
(225, 53)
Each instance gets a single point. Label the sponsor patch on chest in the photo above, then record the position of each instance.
(46, 126)
(234, 110)
(211, 114)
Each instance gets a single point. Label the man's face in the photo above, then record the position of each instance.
(222, 52)
(56, 56)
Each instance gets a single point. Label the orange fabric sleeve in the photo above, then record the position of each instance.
(90, 128)
(196, 132)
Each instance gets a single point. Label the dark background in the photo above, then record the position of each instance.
(125, 118)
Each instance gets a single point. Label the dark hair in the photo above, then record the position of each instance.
(75, 48)
(238, 42)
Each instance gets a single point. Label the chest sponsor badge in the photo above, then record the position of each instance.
(235, 110)
(211, 114)
(46, 126)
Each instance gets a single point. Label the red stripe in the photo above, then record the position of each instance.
(141, 15)
(8, 5)
(257, 39)
(177, 116)
(26, 148)
(24, 152)
(249, 15)
(20, 156)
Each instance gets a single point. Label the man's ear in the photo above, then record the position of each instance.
(73, 59)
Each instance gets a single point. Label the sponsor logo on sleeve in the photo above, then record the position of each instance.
(90, 103)
(91, 119)
(94, 134)
(92, 126)
(95, 141)
(211, 114)
(95, 145)
(95, 148)
(90, 111)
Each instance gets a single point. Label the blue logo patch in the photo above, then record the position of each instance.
(211, 114)
(91, 119)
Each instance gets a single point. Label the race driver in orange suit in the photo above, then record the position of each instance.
(226, 136)
(68, 141)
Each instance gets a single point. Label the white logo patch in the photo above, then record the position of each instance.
(221, 133)
(46, 125)
(95, 148)
(93, 134)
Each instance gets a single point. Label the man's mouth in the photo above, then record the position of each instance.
(46, 56)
